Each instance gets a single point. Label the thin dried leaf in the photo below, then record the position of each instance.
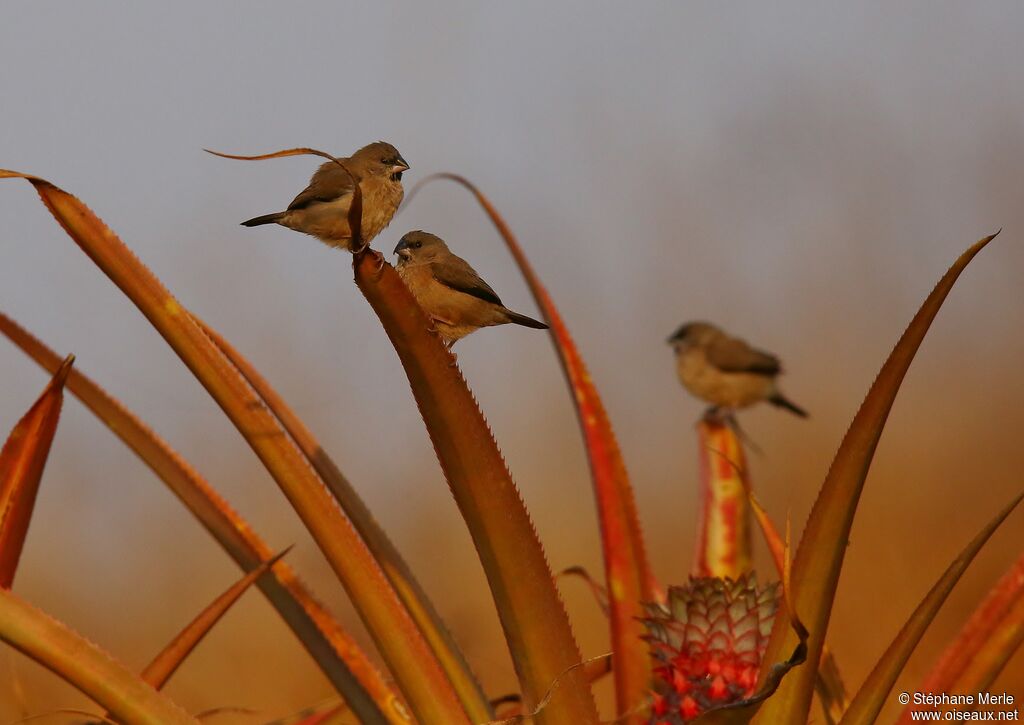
(22, 460)
(628, 575)
(597, 589)
(819, 557)
(869, 700)
(339, 657)
(519, 716)
(419, 676)
(535, 622)
(355, 211)
(66, 653)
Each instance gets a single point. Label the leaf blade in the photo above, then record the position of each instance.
(408, 588)
(22, 461)
(340, 659)
(628, 575)
(409, 658)
(985, 642)
(866, 705)
(84, 665)
(822, 547)
(532, 616)
(169, 659)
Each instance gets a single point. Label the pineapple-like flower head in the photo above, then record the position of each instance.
(707, 642)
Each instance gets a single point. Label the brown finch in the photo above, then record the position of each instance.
(452, 294)
(321, 210)
(726, 371)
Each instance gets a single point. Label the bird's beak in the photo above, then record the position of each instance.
(402, 250)
(400, 166)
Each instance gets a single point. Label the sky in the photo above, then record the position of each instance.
(800, 175)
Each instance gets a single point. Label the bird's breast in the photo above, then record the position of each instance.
(728, 389)
(381, 198)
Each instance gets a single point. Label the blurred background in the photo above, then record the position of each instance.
(800, 175)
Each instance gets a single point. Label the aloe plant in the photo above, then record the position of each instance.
(715, 649)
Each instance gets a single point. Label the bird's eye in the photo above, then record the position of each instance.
(417, 245)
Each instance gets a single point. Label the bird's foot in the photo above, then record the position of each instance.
(455, 358)
(717, 414)
(731, 421)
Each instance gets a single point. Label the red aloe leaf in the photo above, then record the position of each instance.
(337, 654)
(55, 646)
(984, 644)
(627, 571)
(819, 557)
(535, 622)
(398, 572)
(867, 703)
(170, 658)
(416, 670)
(723, 538)
(21, 468)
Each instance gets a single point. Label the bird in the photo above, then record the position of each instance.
(725, 371)
(452, 294)
(321, 209)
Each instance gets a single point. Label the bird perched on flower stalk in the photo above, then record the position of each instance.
(725, 371)
(452, 294)
(322, 208)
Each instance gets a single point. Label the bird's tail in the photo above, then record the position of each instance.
(781, 402)
(525, 321)
(265, 219)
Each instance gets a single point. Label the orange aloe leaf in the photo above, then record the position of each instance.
(419, 676)
(535, 622)
(170, 658)
(819, 557)
(984, 644)
(829, 685)
(66, 653)
(398, 572)
(723, 538)
(22, 460)
(869, 700)
(627, 571)
(338, 656)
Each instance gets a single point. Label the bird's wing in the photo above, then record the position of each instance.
(735, 356)
(328, 183)
(455, 272)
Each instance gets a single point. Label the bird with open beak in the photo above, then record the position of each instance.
(321, 210)
(452, 294)
(725, 371)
